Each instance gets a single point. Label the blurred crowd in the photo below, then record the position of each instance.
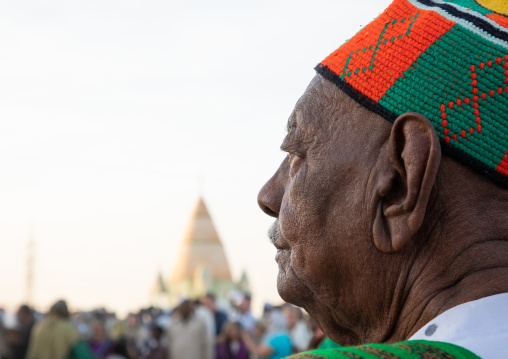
(197, 329)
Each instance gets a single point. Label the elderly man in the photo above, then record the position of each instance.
(391, 206)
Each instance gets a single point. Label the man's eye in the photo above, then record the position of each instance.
(296, 154)
(292, 157)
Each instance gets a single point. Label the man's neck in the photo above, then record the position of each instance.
(464, 259)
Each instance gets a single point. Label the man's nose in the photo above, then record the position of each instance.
(270, 196)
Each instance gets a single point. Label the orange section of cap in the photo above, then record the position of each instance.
(499, 19)
(503, 165)
(386, 48)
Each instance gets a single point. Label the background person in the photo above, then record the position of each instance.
(244, 314)
(100, 345)
(20, 337)
(187, 335)
(276, 344)
(298, 329)
(230, 344)
(207, 317)
(56, 337)
(153, 348)
(209, 301)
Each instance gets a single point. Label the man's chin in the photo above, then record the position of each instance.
(291, 289)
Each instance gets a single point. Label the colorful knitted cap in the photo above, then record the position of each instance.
(446, 59)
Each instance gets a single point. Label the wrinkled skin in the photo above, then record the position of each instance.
(360, 222)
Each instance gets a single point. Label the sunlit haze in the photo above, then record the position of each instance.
(111, 112)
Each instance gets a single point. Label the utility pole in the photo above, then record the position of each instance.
(201, 184)
(30, 258)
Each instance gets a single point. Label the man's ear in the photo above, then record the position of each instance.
(407, 169)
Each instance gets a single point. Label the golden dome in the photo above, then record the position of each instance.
(201, 248)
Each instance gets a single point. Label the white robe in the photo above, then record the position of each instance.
(480, 326)
(207, 317)
(188, 339)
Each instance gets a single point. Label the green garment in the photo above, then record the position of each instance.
(327, 343)
(415, 349)
(81, 351)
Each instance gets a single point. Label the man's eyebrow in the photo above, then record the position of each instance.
(292, 123)
(292, 142)
(287, 145)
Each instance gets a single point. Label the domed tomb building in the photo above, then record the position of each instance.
(201, 265)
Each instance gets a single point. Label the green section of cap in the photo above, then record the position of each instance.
(442, 74)
(471, 4)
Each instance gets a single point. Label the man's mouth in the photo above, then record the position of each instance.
(282, 257)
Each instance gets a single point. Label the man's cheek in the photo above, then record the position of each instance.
(301, 186)
(289, 225)
(309, 263)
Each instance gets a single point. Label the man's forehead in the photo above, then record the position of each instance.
(319, 90)
(324, 111)
(318, 93)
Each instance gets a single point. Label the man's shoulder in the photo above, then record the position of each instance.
(480, 326)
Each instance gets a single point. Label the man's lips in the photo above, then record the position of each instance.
(282, 256)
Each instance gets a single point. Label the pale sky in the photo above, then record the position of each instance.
(111, 110)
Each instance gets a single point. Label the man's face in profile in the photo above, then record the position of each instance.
(327, 262)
